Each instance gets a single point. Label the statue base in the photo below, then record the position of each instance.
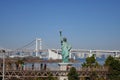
(64, 67)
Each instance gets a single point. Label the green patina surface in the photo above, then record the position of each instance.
(65, 49)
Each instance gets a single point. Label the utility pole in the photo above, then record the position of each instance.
(3, 51)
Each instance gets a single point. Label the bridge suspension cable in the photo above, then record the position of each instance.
(31, 43)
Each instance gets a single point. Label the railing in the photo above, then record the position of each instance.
(30, 74)
(43, 73)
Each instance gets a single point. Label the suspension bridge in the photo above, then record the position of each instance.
(34, 48)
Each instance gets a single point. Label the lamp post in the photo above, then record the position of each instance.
(3, 51)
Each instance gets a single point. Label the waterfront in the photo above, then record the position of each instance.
(54, 65)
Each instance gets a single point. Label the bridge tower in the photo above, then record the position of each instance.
(116, 54)
(90, 54)
(38, 45)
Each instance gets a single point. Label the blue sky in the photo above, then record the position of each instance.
(87, 24)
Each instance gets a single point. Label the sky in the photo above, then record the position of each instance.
(87, 24)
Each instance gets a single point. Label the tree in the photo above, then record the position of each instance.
(94, 75)
(19, 64)
(90, 62)
(114, 68)
(73, 75)
(8, 65)
(108, 60)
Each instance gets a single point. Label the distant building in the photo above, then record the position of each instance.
(53, 54)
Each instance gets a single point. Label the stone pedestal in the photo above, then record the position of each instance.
(64, 67)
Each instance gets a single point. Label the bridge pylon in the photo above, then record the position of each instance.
(38, 46)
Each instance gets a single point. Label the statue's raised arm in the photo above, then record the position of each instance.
(60, 33)
(61, 38)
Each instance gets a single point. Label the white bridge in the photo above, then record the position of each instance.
(56, 53)
(82, 53)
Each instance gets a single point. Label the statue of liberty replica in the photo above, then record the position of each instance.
(65, 49)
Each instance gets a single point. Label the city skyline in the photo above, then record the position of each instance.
(87, 24)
